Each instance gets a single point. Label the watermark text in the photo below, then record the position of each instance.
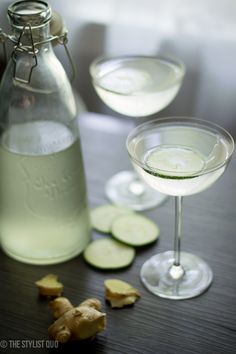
(28, 343)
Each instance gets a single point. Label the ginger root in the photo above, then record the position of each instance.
(49, 285)
(119, 293)
(59, 306)
(76, 323)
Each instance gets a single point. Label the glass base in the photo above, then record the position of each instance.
(190, 279)
(61, 258)
(126, 189)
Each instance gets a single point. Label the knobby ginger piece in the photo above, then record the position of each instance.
(49, 285)
(82, 322)
(59, 306)
(93, 302)
(120, 293)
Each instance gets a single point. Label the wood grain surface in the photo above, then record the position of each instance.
(204, 325)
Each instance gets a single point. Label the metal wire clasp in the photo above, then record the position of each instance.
(32, 50)
(29, 50)
(64, 40)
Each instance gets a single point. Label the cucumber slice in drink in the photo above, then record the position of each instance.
(103, 216)
(135, 230)
(106, 253)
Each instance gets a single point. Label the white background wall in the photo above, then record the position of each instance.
(202, 33)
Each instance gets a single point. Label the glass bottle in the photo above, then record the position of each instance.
(43, 206)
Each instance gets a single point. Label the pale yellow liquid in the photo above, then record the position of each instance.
(140, 88)
(43, 212)
(184, 162)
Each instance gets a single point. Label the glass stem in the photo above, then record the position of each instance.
(178, 229)
(176, 270)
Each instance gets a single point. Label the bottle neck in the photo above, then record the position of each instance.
(31, 47)
(36, 34)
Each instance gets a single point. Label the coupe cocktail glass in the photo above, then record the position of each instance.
(136, 86)
(178, 156)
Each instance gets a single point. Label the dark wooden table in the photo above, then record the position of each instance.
(204, 325)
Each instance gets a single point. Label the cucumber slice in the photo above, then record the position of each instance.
(103, 216)
(106, 253)
(135, 230)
